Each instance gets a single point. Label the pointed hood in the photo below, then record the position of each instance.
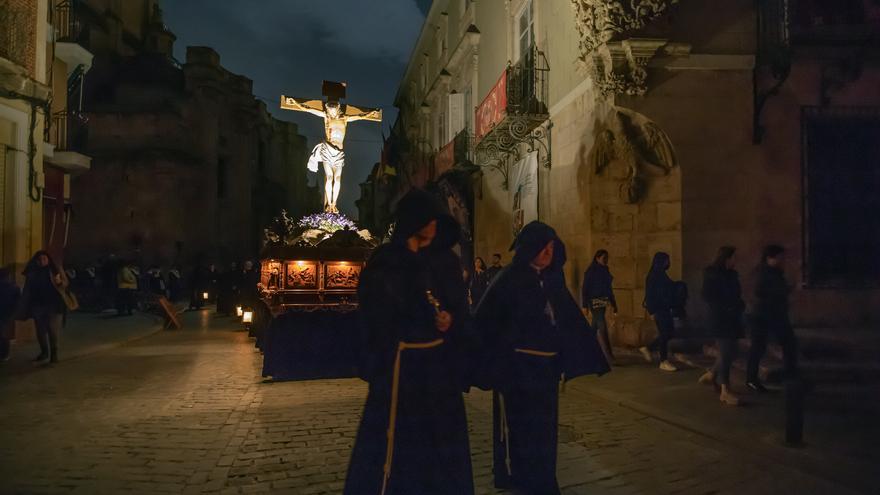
(416, 210)
(532, 239)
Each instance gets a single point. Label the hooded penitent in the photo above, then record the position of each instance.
(413, 435)
(532, 333)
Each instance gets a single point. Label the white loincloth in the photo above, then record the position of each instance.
(328, 154)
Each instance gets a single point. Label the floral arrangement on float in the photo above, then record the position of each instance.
(314, 229)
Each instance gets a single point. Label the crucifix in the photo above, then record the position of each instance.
(336, 117)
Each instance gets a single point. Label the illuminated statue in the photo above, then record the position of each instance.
(336, 117)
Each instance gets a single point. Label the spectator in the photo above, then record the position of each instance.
(156, 282)
(479, 281)
(493, 270)
(126, 288)
(660, 301)
(722, 292)
(175, 283)
(598, 296)
(42, 302)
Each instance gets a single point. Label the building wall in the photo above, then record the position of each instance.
(724, 189)
(188, 165)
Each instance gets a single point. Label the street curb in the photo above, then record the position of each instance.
(759, 450)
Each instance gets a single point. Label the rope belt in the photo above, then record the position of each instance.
(502, 410)
(505, 432)
(392, 415)
(533, 352)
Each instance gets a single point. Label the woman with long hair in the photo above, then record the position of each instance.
(659, 301)
(723, 294)
(43, 303)
(597, 295)
(479, 281)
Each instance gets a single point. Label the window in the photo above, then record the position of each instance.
(525, 30)
(222, 179)
(842, 186)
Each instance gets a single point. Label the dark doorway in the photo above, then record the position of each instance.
(842, 201)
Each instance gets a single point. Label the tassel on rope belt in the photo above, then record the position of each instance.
(392, 415)
(502, 411)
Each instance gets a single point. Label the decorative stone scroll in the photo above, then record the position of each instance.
(617, 67)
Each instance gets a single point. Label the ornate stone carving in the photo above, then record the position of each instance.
(618, 67)
(636, 142)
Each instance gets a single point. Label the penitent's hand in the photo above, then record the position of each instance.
(443, 321)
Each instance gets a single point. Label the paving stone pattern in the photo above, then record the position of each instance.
(186, 412)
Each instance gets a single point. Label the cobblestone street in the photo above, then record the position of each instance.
(187, 412)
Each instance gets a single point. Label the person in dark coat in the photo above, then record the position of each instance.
(248, 292)
(479, 281)
(175, 283)
(723, 295)
(198, 283)
(532, 333)
(659, 302)
(43, 303)
(597, 296)
(156, 283)
(413, 434)
(495, 269)
(9, 296)
(770, 317)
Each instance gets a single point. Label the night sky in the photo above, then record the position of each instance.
(290, 46)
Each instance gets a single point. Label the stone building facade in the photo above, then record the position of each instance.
(40, 80)
(187, 163)
(663, 125)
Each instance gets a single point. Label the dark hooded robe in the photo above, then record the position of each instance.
(532, 333)
(413, 435)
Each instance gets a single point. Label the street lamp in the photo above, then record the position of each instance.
(205, 296)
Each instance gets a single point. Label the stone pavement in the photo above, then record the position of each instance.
(187, 412)
(84, 334)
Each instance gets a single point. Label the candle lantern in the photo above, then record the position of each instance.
(239, 311)
(247, 317)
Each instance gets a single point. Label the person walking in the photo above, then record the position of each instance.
(479, 281)
(413, 437)
(660, 301)
(127, 284)
(770, 317)
(9, 297)
(723, 295)
(597, 296)
(532, 333)
(42, 301)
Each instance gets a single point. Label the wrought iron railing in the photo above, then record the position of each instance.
(15, 31)
(68, 130)
(69, 28)
(527, 84)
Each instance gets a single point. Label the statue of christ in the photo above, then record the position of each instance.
(329, 152)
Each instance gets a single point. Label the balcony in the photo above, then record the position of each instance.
(457, 153)
(67, 135)
(513, 114)
(71, 37)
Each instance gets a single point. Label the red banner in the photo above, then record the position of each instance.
(444, 159)
(493, 109)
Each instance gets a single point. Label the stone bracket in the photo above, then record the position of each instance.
(620, 67)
